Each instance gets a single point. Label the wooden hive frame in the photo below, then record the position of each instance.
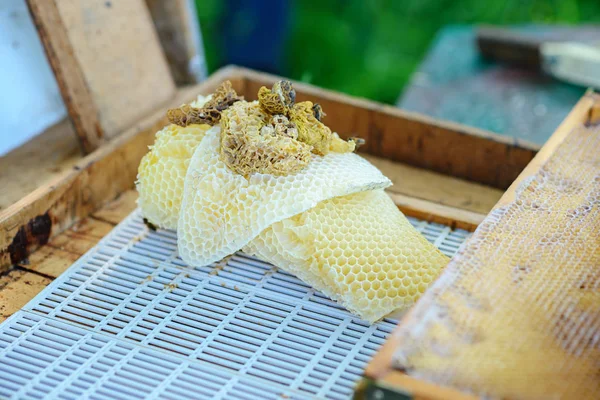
(444, 172)
(381, 378)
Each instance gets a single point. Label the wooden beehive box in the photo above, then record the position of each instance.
(443, 172)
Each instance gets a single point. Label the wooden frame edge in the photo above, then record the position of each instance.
(585, 112)
(77, 96)
(429, 211)
(380, 370)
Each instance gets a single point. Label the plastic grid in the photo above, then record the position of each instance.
(130, 320)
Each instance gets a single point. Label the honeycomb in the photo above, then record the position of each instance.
(253, 141)
(162, 172)
(279, 99)
(208, 111)
(357, 249)
(314, 133)
(305, 116)
(222, 210)
(250, 182)
(516, 314)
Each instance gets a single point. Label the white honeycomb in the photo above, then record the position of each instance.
(162, 172)
(359, 250)
(223, 211)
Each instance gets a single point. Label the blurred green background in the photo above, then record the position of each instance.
(366, 48)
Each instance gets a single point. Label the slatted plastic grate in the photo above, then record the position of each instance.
(129, 320)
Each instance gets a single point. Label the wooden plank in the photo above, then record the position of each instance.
(434, 212)
(94, 48)
(437, 188)
(17, 287)
(69, 75)
(62, 251)
(178, 36)
(44, 157)
(94, 180)
(116, 211)
(415, 139)
(82, 236)
(50, 261)
(380, 368)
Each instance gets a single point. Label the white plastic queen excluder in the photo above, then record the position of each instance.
(129, 320)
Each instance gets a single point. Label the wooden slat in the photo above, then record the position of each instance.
(380, 369)
(415, 139)
(50, 261)
(178, 36)
(94, 180)
(437, 188)
(117, 210)
(18, 287)
(435, 212)
(82, 236)
(108, 62)
(62, 251)
(69, 75)
(44, 157)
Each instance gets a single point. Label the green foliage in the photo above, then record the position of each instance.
(370, 48)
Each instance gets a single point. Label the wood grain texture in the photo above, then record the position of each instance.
(117, 210)
(415, 139)
(18, 287)
(43, 158)
(90, 183)
(435, 212)
(70, 76)
(82, 236)
(438, 188)
(177, 36)
(108, 61)
(50, 261)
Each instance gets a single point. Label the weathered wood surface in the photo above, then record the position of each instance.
(108, 62)
(112, 169)
(70, 77)
(17, 287)
(380, 369)
(20, 285)
(178, 36)
(430, 211)
(90, 183)
(432, 186)
(31, 165)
